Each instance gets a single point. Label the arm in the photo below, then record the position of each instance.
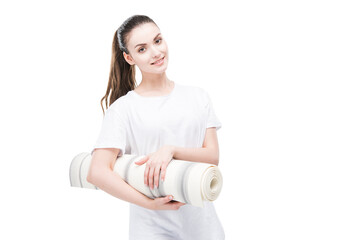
(209, 153)
(101, 174)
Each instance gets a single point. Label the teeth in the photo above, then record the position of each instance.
(158, 61)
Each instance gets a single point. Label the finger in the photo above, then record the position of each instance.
(179, 205)
(146, 174)
(163, 171)
(156, 176)
(168, 198)
(142, 160)
(151, 178)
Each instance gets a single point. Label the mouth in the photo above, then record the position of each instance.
(160, 61)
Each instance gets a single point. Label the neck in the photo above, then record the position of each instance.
(154, 81)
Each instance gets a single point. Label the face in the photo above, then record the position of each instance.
(146, 45)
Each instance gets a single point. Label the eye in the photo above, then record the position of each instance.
(157, 41)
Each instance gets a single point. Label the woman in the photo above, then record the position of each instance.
(162, 120)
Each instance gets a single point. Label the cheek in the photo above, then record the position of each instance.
(165, 47)
(143, 60)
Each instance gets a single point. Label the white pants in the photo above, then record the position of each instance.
(187, 223)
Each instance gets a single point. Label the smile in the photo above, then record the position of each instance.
(159, 62)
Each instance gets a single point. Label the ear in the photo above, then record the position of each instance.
(128, 58)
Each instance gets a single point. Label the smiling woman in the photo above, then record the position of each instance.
(147, 49)
(161, 119)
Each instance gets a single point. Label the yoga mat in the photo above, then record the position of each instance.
(188, 182)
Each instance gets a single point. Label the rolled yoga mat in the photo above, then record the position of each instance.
(188, 182)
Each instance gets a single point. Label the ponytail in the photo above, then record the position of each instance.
(122, 74)
(121, 78)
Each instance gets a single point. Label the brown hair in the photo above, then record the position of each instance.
(122, 74)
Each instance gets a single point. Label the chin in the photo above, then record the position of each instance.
(160, 69)
(156, 71)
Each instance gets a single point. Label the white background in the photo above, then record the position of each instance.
(283, 77)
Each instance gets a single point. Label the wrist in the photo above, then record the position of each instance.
(172, 149)
(149, 204)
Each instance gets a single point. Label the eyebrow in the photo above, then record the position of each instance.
(140, 44)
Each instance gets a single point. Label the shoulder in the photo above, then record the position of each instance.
(195, 94)
(120, 104)
(193, 90)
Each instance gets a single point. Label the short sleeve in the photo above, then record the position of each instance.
(113, 131)
(212, 119)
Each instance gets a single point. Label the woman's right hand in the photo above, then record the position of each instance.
(165, 203)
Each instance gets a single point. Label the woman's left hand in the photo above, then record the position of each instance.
(156, 161)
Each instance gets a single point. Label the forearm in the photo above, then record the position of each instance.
(111, 182)
(204, 155)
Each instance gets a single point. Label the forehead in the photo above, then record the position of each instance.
(143, 33)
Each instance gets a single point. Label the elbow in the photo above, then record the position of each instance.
(94, 178)
(102, 161)
(97, 174)
(90, 177)
(93, 175)
(215, 157)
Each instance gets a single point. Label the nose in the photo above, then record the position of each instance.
(155, 53)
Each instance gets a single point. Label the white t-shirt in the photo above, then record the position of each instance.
(140, 125)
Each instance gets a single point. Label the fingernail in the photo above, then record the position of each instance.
(170, 197)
